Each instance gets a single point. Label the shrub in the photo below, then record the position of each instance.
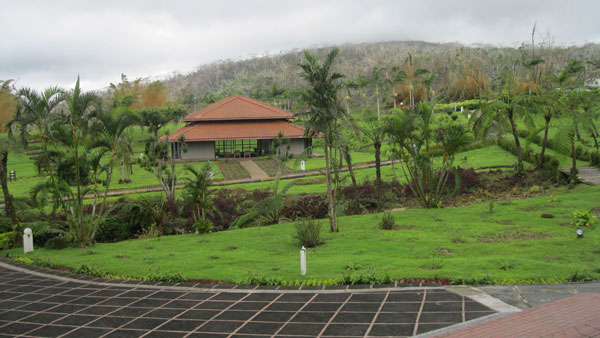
(387, 221)
(203, 226)
(308, 233)
(583, 218)
(56, 243)
(114, 229)
(7, 239)
(306, 206)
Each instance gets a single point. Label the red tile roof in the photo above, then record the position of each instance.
(236, 130)
(238, 108)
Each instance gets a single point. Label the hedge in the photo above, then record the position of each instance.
(551, 163)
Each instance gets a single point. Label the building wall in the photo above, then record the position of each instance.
(296, 146)
(199, 150)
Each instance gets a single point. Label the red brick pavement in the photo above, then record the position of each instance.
(577, 316)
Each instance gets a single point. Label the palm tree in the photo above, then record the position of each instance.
(548, 103)
(37, 110)
(198, 192)
(504, 109)
(321, 98)
(374, 131)
(79, 107)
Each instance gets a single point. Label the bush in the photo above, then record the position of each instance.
(308, 233)
(203, 226)
(56, 243)
(7, 240)
(551, 164)
(583, 218)
(114, 229)
(387, 221)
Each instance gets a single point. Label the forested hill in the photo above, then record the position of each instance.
(457, 72)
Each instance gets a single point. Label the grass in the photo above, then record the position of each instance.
(233, 170)
(512, 242)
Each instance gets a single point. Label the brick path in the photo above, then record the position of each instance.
(42, 306)
(577, 316)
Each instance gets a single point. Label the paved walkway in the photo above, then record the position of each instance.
(587, 175)
(255, 171)
(43, 303)
(577, 316)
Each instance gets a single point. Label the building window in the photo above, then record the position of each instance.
(229, 147)
(176, 150)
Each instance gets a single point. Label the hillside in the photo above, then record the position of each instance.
(275, 78)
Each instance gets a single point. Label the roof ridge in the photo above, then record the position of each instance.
(265, 105)
(214, 106)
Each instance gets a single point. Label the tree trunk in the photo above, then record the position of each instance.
(577, 132)
(594, 134)
(574, 160)
(541, 161)
(348, 159)
(378, 183)
(513, 126)
(9, 207)
(330, 194)
(79, 201)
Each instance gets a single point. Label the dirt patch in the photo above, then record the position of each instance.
(513, 234)
(445, 251)
(547, 216)
(398, 227)
(563, 224)
(531, 208)
(596, 211)
(505, 222)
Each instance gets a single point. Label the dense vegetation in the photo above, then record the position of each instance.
(525, 110)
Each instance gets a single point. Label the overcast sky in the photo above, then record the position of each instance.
(46, 43)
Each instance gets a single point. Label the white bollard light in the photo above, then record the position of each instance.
(302, 165)
(27, 240)
(303, 261)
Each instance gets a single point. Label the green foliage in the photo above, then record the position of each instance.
(7, 239)
(583, 218)
(88, 270)
(467, 104)
(551, 164)
(308, 233)
(411, 133)
(387, 221)
(56, 243)
(203, 225)
(169, 277)
(369, 277)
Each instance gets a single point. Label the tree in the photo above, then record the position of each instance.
(324, 110)
(157, 152)
(504, 109)
(8, 103)
(36, 111)
(374, 130)
(8, 144)
(79, 106)
(114, 141)
(198, 192)
(410, 133)
(453, 139)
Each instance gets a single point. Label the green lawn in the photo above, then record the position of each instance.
(513, 242)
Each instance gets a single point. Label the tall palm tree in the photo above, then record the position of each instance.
(503, 111)
(37, 111)
(79, 107)
(324, 110)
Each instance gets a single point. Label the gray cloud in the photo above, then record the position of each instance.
(51, 42)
